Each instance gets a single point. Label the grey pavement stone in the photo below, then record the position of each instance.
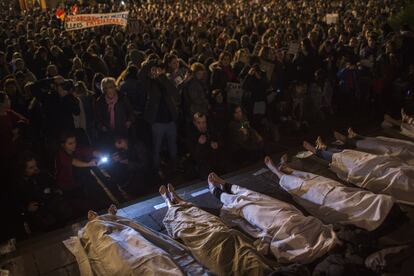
(148, 221)
(53, 257)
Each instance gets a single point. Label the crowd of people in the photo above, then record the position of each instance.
(208, 83)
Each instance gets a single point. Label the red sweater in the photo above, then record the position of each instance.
(65, 179)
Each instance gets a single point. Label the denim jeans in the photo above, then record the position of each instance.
(169, 131)
(325, 155)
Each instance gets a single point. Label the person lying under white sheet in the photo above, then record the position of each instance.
(330, 200)
(224, 251)
(380, 145)
(107, 245)
(377, 173)
(406, 124)
(281, 228)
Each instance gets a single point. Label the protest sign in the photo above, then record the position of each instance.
(82, 21)
(234, 92)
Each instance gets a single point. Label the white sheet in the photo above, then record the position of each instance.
(388, 146)
(334, 202)
(377, 173)
(107, 246)
(223, 250)
(281, 227)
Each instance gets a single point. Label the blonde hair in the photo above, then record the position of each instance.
(239, 53)
(107, 81)
(196, 67)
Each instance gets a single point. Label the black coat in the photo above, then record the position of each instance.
(154, 94)
(123, 113)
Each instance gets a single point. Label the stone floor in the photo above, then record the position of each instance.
(46, 255)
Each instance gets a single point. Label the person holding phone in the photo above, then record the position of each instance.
(69, 162)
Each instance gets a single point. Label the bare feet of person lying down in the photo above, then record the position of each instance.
(339, 136)
(320, 144)
(283, 167)
(351, 133)
(215, 181)
(406, 118)
(175, 199)
(283, 159)
(163, 192)
(308, 146)
(92, 215)
(112, 210)
(270, 165)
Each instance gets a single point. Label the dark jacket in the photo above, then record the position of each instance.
(132, 88)
(155, 89)
(33, 189)
(123, 113)
(200, 152)
(195, 97)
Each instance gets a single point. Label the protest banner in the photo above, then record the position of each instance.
(234, 92)
(83, 21)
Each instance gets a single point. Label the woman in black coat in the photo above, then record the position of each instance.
(113, 111)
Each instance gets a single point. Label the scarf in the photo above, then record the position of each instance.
(111, 109)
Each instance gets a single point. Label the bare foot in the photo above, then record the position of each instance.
(339, 136)
(92, 215)
(351, 133)
(164, 195)
(279, 171)
(216, 181)
(284, 159)
(308, 146)
(176, 199)
(320, 144)
(405, 118)
(112, 210)
(403, 115)
(269, 163)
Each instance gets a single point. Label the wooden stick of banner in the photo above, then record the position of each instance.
(106, 190)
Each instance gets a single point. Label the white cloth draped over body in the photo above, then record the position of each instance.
(224, 251)
(334, 202)
(112, 245)
(388, 146)
(280, 227)
(377, 173)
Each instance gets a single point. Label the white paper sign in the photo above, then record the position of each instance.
(234, 92)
